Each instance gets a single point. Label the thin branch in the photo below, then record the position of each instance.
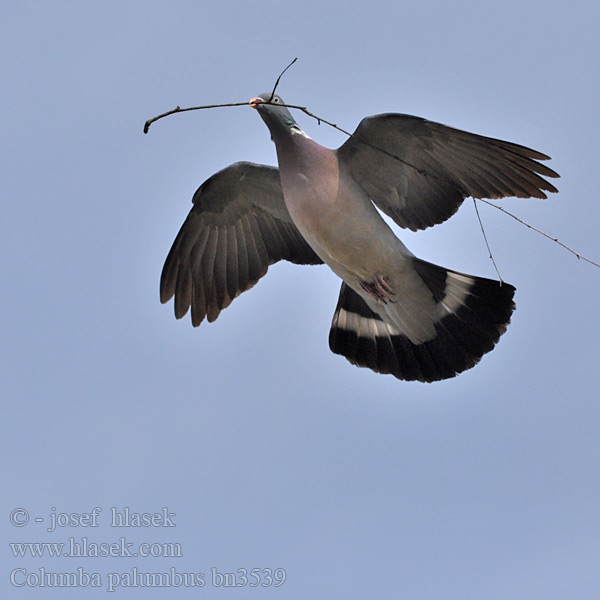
(486, 241)
(178, 109)
(279, 78)
(555, 240)
(382, 150)
(320, 120)
(305, 110)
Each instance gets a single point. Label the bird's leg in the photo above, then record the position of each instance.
(379, 289)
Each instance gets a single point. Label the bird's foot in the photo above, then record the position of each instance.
(379, 289)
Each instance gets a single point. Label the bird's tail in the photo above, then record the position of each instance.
(468, 316)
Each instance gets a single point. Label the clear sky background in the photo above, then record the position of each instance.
(271, 451)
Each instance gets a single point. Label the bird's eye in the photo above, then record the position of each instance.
(276, 100)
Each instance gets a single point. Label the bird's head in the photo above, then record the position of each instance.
(275, 114)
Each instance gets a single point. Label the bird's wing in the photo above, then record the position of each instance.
(238, 226)
(419, 172)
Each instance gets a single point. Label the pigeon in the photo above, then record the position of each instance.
(396, 313)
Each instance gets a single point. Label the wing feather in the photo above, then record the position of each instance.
(238, 227)
(419, 172)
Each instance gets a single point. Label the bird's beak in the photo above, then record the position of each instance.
(254, 102)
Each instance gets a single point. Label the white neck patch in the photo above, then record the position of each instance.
(296, 130)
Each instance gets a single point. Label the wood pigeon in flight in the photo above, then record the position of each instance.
(396, 313)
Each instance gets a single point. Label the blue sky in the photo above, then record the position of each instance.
(271, 451)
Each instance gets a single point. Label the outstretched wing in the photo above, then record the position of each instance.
(238, 226)
(419, 172)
